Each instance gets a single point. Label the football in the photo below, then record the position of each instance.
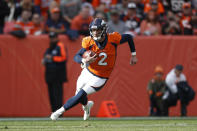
(88, 53)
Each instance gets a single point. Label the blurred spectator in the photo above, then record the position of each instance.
(24, 23)
(24, 5)
(9, 20)
(194, 16)
(108, 3)
(122, 7)
(155, 6)
(70, 8)
(156, 90)
(56, 23)
(92, 11)
(37, 28)
(139, 7)
(166, 4)
(101, 15)
(102, 8)
(132, 22)
(53, 4)
(171, 25)
(4, 11)
(178, 86)
(186, 22)
(130, 11)
(42, 6)
(115, 24)
(81, 22)
(151, 25)
(12, 7)
(194, 4)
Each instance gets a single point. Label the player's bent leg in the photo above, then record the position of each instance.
(75, 99)
(87, 107)
(89, 90)
(82, 80)
(84, 100)
(69, 104)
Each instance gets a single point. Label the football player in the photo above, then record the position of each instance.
(96, 68)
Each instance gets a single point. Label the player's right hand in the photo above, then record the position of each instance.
(86, 61)
(90, 59)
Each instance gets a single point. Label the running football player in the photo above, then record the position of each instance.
(96, 68)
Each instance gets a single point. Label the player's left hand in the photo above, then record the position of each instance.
(133, 60)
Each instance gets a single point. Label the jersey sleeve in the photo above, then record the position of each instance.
(116, 37)
(86, 43)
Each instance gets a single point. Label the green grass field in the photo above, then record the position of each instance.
(103, 124)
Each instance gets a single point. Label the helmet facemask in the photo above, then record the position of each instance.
(100, 28)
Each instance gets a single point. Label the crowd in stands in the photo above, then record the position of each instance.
(72, 17)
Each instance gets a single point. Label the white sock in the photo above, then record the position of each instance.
(84, 106)
(61, 110)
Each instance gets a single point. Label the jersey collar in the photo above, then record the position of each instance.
(103, 44)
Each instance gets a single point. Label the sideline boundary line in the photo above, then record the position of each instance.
(94, 118)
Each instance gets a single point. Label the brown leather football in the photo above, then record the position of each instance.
(88, 53)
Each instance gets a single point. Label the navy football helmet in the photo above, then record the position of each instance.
(101, 29)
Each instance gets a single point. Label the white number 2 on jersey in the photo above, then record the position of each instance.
(101, 62)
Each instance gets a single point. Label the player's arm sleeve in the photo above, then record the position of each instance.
(78, 56)
(85, 47)
(62, 57)
(128, 38)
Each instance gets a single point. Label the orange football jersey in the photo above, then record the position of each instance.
(104, 64)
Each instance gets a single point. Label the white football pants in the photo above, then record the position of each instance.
(88, 82)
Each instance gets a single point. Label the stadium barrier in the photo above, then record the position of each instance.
(24, 92)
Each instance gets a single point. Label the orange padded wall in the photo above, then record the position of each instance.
(23, 92)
